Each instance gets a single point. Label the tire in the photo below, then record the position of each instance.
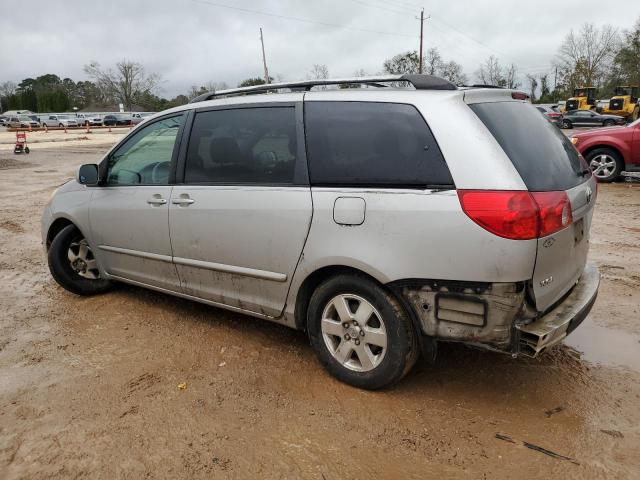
(567, 124)
(342, 346)
(608, 123)
(88, 282)
(605, 164)
(26, 150)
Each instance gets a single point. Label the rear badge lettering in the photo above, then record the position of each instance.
(548, 242)
(546, 281)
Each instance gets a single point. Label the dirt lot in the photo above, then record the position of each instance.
(88, 386)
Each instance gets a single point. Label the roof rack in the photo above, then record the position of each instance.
(419, 82)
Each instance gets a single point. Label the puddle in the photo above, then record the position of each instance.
(606, 346)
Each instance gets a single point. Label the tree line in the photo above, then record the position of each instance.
(601, 57)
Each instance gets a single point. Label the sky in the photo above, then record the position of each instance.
(192, 42)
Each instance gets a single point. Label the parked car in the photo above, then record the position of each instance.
(3, 120)
(365, 222)
(91, 119)
(610, 151)
(116, 119)
(21, 121)
(60, 121)
(551, 112)
(589, 118)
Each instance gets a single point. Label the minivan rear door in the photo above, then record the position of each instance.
(547, 162)
(240, 213)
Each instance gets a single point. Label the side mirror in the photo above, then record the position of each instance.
(88, 174)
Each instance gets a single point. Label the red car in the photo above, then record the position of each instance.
(610, 151)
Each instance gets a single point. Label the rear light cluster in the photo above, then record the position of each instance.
(517, 215)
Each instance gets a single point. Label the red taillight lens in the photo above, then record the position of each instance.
(517, 215)
(555, 211)
(508, 214)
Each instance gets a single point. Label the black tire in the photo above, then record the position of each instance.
(608, 123)
(619, 163)
(567, 124)
(26, 150)
(402, 347)
(62, 271)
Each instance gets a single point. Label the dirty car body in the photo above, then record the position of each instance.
(253, 203)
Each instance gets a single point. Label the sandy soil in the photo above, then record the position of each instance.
(88, 386)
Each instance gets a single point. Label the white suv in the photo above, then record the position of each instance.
(380, 220)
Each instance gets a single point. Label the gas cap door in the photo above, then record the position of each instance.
(349, 210)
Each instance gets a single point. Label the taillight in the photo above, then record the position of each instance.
(554, 210)
(517, 215)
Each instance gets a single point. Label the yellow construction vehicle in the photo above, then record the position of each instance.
(584, 98)
(624, 102)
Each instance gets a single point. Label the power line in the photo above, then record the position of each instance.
(298, 19)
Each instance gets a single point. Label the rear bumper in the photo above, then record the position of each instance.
(555, 325)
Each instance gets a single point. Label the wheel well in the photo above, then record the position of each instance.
(608, 147)
(310, 283)
(55, 228)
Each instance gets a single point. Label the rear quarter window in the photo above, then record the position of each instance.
(372, 144)
(543, 156)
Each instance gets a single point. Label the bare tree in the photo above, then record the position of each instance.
(319, 72)
(433, 62)
(586, 55)
(490, 72)
(7, 89)
(126, 83)
(533, 86)
(511, 77)
(452, 71)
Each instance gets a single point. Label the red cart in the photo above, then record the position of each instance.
(21, 143)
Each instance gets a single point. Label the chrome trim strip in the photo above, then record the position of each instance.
(136, 253)
(219, 267)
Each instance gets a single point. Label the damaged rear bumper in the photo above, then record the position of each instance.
(551, 328)
(496, 316)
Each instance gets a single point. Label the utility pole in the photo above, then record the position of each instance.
(422, 20)
(264, 59)
(555, 84)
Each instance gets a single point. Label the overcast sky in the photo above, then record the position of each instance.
(192, 42)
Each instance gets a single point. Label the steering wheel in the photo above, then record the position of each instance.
(160, 172)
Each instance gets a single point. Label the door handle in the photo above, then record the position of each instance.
(156, 200)
(184, 201)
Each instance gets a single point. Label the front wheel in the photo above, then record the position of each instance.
(605, 164)
(360, 333)
(73, 265)
(566, 124)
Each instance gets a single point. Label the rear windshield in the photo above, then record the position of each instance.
(544, 157)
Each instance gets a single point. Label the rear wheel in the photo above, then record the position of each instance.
(360, 332)
(567, 124)
(73, 265)
(605, 164)
(609, 123)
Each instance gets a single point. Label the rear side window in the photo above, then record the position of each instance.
(243, 146)
(543, 156)
(372, 144)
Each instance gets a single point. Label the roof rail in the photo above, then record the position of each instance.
(419, 82)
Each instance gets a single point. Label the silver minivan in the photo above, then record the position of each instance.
(381, 220)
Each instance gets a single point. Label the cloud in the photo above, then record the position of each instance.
(191, 42)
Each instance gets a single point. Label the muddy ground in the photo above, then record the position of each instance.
(88, 386)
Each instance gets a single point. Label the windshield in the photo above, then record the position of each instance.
(543, 156)
(623, 91)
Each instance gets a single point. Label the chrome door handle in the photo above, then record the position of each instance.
(182, 201)
(156, 201)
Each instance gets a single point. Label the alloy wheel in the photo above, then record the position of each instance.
(603, 166)
(82, 260)
(354, 332)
